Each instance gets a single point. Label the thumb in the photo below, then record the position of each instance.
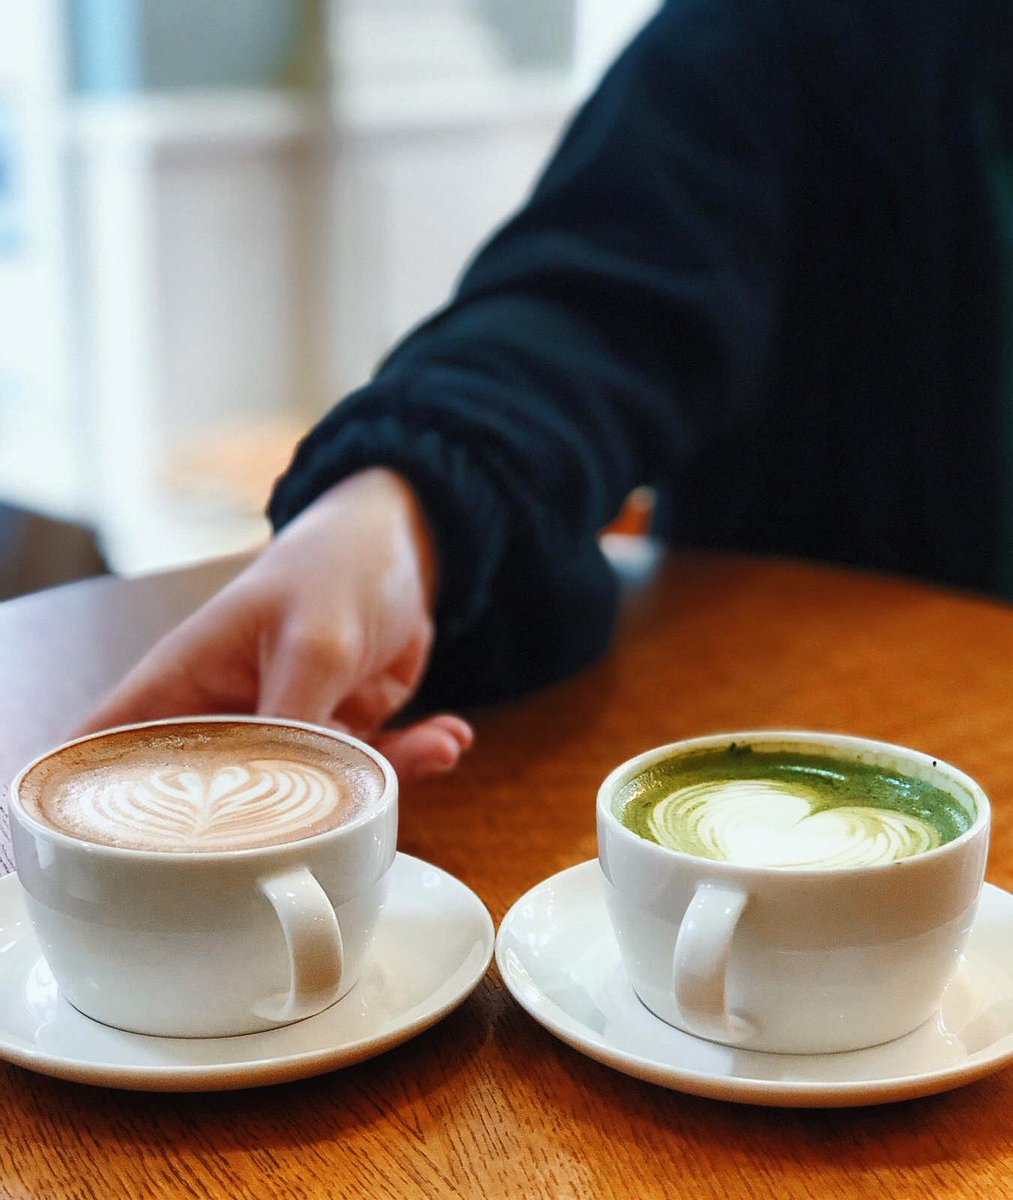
(428, 747)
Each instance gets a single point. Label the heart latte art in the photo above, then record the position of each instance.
(764, 824)
(789, 810)
(203, 787)
(227, 809)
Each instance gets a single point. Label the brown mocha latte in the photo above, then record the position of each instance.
(202, 786)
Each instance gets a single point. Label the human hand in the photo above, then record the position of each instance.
(330, 624)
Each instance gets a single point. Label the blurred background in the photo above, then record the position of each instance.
(216, 215)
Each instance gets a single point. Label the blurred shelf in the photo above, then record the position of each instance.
(193, 117)
(159, 119)
(516, 97)
(231, 468)
(168, 538)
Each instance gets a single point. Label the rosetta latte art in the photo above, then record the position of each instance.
(231, 807)
(764, 823)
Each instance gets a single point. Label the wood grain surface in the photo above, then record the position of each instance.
(487, 1104)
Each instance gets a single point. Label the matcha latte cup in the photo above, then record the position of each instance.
(795, 892)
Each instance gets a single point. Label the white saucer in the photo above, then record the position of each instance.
(433, 944)
(558, 957)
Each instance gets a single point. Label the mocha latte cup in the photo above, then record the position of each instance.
(795, 892)
(205, 876)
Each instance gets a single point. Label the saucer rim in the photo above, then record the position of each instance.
(666, 1072)
(259, 1072)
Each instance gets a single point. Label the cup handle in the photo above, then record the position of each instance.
(701, 964)
(315, 950)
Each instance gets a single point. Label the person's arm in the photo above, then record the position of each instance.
(624, 317)
(621, 320)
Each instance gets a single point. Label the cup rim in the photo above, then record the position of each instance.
(625, 771)
(388, 795)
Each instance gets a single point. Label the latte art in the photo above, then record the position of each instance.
(788, 809)
(203, 787)
(763, 824)
(230, 808)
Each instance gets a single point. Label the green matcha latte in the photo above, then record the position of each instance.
(787, 808)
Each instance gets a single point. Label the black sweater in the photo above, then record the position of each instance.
(761, 273)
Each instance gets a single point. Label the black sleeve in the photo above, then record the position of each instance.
(621, 319)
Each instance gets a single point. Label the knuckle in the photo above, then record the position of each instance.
(321, 647)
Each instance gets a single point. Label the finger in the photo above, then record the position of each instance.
(306, 676)
(373, 703)
(456, 726)
(430, 747)
(377, 699)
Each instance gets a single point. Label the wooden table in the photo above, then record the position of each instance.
(487, 1104)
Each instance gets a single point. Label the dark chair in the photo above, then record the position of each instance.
(38, 552)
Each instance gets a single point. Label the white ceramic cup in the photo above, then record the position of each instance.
(803, 961)
(207, 944)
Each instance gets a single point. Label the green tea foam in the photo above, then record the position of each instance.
(788, 809)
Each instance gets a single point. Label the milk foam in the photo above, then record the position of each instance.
(202, 788)
(758, 822)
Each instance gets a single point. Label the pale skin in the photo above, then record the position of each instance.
(332, 623)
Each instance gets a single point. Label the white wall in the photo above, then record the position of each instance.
(246, 257)
(39, 443)
(411, 208)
